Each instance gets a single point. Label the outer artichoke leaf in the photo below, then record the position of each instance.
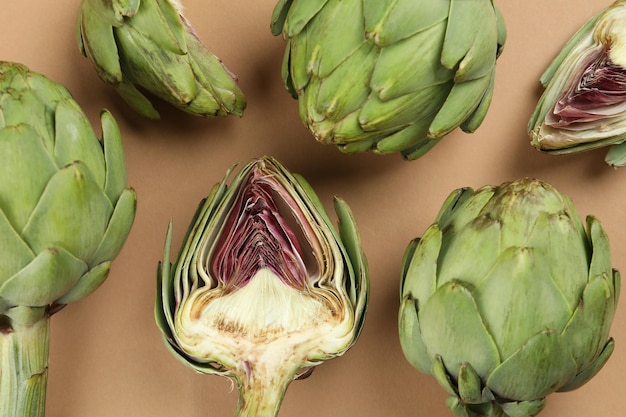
(411, 65)
(463, 100)
(616, 156)
(408, 138)
(15, 253)
(419, 149)
(457, 198)
(164, 73)
(416, 108)
(574, 42)
(469, 385)
(502, 32)
(126, 7)
(389, 22)
(512, 286)
(557, 237)
(406, 262)
(135, 99)
(523, 408)
(463, 206)
(160, 21)
(76, 141)
(118, 228)
(442, 376)
(39, 118)
(600, 247)
(298, 63)
(215, 79)
(411, 340)
(115, 181)
(351, 240)
(482, 239)
(420, 278)
(298, 14)
(47, 91)
(52, 273)
(337, 38)
(73, 212)
(537, 369)
(87, 284)
(588, 329)
(165, 304)
(23, 154)
(106, 11)
(471, 39)
(586, 374)
(335, 98)
(453, 328)
(279, 14)
(99, 44)
(474, 121)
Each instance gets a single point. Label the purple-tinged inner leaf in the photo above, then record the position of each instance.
(600, 92)
(265, 229)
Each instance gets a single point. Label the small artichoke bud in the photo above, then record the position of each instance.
(508, 298)
(386, 75)
(263, 288)
(149, 45)
(583, 106)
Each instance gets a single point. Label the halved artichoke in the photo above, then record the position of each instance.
(263, 287)
(583, 106)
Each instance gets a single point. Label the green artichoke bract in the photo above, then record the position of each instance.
(507, 298)
(65, 213)
(263, 288)
(148, 45)
(583, 106)
(389, 75)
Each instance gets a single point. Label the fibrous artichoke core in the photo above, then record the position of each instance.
(584, 104)
(263, 288)
(258, 264)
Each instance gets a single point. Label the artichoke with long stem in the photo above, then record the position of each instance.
(65, 213)
(263, 288)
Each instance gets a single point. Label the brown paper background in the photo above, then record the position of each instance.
(107, 358)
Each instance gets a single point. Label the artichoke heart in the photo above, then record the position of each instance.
(389, 75)
(583, 106)
(263, 288)
(507, 298)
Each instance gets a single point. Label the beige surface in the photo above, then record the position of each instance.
(107, 358)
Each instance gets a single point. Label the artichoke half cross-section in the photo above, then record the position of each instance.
(583, 106)
(389, 75)
(263, 288)
(507, 298)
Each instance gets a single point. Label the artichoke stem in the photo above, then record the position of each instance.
(24, 368)
(261, 393)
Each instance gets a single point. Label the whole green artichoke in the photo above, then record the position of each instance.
(263, 288)
(507, 298)
(389, 75)
(583, 106)
(65, 212)
(150, 45)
